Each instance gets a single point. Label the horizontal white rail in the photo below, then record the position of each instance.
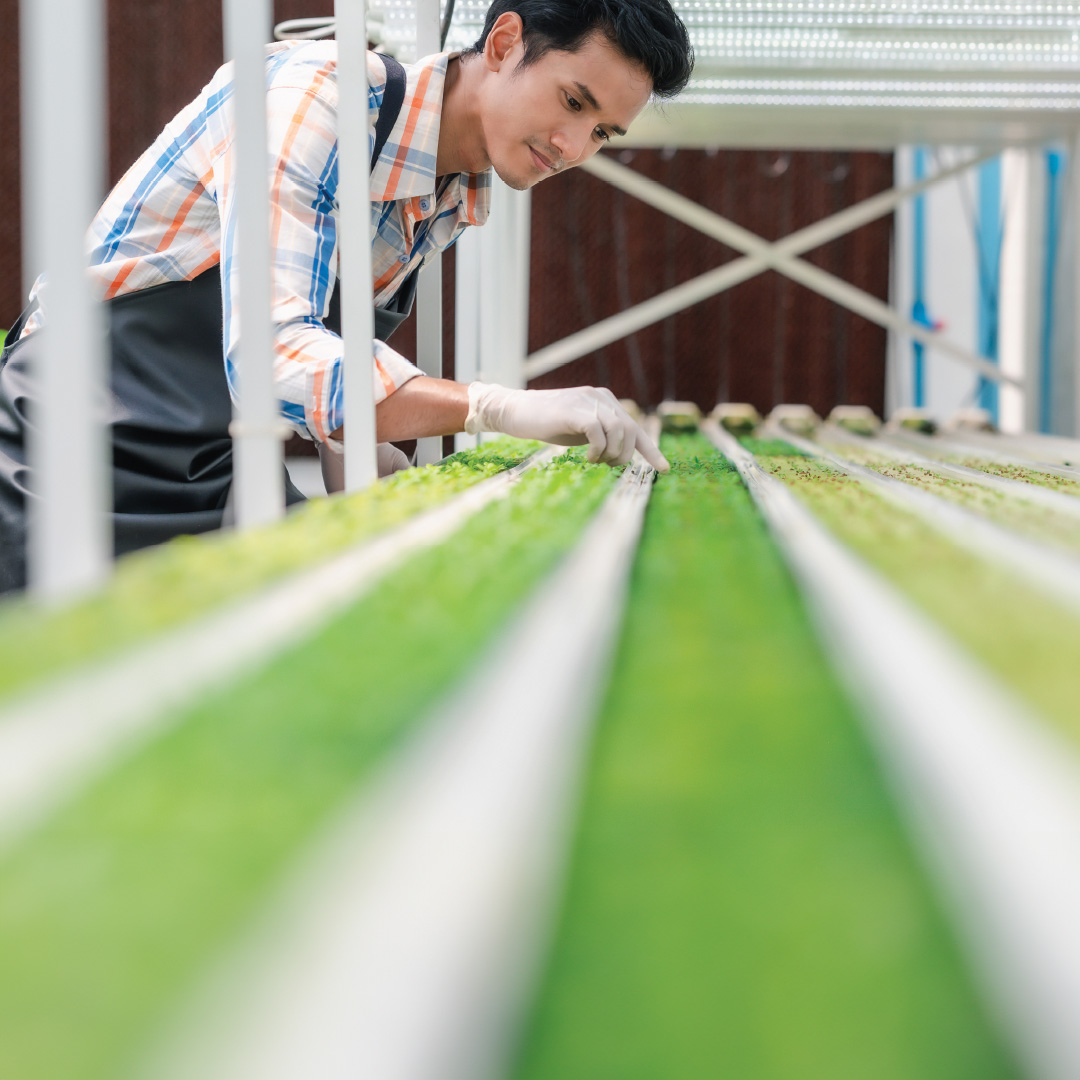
(54, 740)
(408, 946)
(1047, 449)
(1067, 505)
(1054, 572)
(994, 450)
(993, 794)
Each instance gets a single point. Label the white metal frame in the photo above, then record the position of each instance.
(63, 134)
(257, 430)
(492, 295)
(429, 342)
(758, 255)
(354, 239)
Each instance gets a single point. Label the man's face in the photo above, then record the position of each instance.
(556, 113)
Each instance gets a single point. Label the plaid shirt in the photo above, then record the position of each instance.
(172, 215)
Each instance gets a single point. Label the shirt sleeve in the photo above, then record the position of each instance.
(303, 160)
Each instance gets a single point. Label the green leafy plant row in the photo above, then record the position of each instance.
(162, 587)
(743, 901)
(1015, 472)
(111, 911)
(1036, 522)
(1025, 638)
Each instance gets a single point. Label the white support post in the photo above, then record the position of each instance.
(1020, 288)
(63, 135)
(354, 229)
(467, 287)
(504, 287)
(258, 470)
(429, 288)
(519, 260)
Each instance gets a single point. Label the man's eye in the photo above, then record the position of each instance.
(573, 103)
(600, 133)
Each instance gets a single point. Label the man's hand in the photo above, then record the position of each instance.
(583, 414)
(390, 460)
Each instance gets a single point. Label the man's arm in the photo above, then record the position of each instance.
(422, 407)
(582, 414)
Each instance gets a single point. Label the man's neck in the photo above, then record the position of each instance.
(461, 143)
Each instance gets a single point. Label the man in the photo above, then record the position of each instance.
(547, 84)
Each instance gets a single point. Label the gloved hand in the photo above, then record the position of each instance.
(582, 414)
(388, 457)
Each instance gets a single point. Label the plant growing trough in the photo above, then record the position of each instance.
(742, 898)
(160, 588)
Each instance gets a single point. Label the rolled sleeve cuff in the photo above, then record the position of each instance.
(326, 398)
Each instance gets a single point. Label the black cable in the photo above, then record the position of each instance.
(448, 14)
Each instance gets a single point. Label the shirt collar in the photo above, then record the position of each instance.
(406, 167)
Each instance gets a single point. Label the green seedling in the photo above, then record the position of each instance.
(163, 587)
(742, 900)
(114, 910)
(1025, 638)
(1037, 522)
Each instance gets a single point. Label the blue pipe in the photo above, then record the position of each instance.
(989, 234)
(918, 307)
(1055, 161)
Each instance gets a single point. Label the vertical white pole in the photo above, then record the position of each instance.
(258, 476)
(354, 229)
(429, 287)
(518, 331)
(1020, 288)
(504, 287)
(899, 388)
(63, 133)
(467, 287)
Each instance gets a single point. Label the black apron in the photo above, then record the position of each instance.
(168, 408)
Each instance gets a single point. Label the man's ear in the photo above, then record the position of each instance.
(502, 39)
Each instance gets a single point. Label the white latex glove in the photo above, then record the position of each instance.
(389, 458)
(582, 414)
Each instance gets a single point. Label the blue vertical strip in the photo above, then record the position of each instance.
(918, 306)
(1055, 162)
(989, 233)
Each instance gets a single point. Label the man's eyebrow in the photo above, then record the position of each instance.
(587, 94)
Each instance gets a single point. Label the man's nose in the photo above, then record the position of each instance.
(571, 142)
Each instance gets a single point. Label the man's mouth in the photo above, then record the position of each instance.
(542, 162)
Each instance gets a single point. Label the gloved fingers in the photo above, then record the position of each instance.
(651, 452)
(629, 443)
(615, 432)
(594, 431)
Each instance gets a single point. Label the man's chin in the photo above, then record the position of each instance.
(515, 181)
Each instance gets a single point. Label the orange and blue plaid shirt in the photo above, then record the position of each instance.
(172, 215)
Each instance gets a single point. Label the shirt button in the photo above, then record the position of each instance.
(424, 204)
(403, 258)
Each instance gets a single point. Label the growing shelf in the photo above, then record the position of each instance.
(1038, 522)
(116, 905)
(1028, 639)
(164, 587)
(743, 900)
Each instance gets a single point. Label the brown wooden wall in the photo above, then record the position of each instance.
(595, 251)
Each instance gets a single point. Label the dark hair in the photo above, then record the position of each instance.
(647, 31)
